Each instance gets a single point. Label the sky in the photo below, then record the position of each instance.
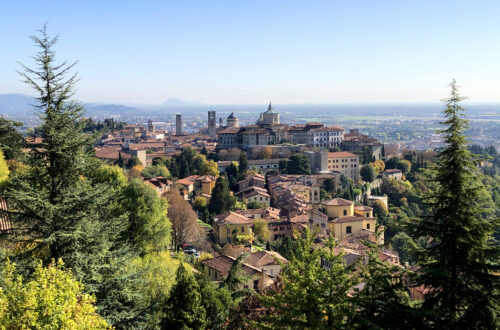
(253, 52)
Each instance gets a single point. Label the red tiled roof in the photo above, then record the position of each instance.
(223, 264)
(338, 202)
(232, 218)
(340, 154)
(4, 218)
(264, 258)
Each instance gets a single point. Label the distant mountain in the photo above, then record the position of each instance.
(112, 108)
(179, 103)
(16, 104)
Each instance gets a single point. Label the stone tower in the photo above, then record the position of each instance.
(178, 124)
(211, 124)
(151, 127)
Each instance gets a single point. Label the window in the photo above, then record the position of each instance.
(367, 214)
(348, 229)
(271, 271)
(242, 229)
(282, 228)
(367, 226)
(345, 212)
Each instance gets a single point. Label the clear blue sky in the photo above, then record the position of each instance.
(219, 52)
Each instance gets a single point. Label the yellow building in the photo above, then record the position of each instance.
(342, 227)
(228, 226)
(337, 207)
(345, 163)
(345, 219)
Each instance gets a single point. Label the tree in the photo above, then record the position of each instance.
(283, 163)
(209, 168)
(392, 163)
(261, 230)
(217, 303)
(315, 287)
(155, 171)
(368, 173)
(243, 164)
(183, 219)
(404, 165)
(57, 211)
(256, 205)
(329, 185)
(382, 302)
(232, 174)
(379, 210)
(11, 141)
(4, 169)
(298, 164)
(405, 246)
(184, 309)
(121, 161)
(51, 299)
(221, 200)
(459, 263)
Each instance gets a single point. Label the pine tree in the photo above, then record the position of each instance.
(243, 164)
(458, 266)
(184, 308)
(57, 210)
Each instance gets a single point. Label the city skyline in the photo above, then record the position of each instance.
(250, 53)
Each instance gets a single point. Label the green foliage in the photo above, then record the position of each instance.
(404, 165)
(368, 173)
(298, 164)
(243, 164)
(314, 293)
(405, 246)
(148, 226)
(184, 309)
(217, 303)
(50, 299)
(232, 173)
(111, 175)
(256, 205)
(155, 171)
(4, 169)
(396, 189)
(391, 163)
(283, 166)
(459, 262)
(329, 185)
(11, 141)
(261, 230)
(379, 210)
(382, 302)
(132, 162)
(221, 200)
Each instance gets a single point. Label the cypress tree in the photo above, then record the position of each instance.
(221, 200)
(243, 164)
(183, 308)
(459, 263)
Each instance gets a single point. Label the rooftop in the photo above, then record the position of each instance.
(337, 202)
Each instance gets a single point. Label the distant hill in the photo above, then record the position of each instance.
(178, 103)
(16, 104)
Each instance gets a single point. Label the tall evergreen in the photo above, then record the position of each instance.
(243, 164)
(57, 210)
(221, 200)
(459, 263)
(184, 308)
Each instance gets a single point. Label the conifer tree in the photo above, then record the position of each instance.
(221, 200)
(184, 308)
(459, 263)
(57, 210)
(243, 164)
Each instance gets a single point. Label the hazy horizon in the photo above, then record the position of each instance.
(287, 52)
